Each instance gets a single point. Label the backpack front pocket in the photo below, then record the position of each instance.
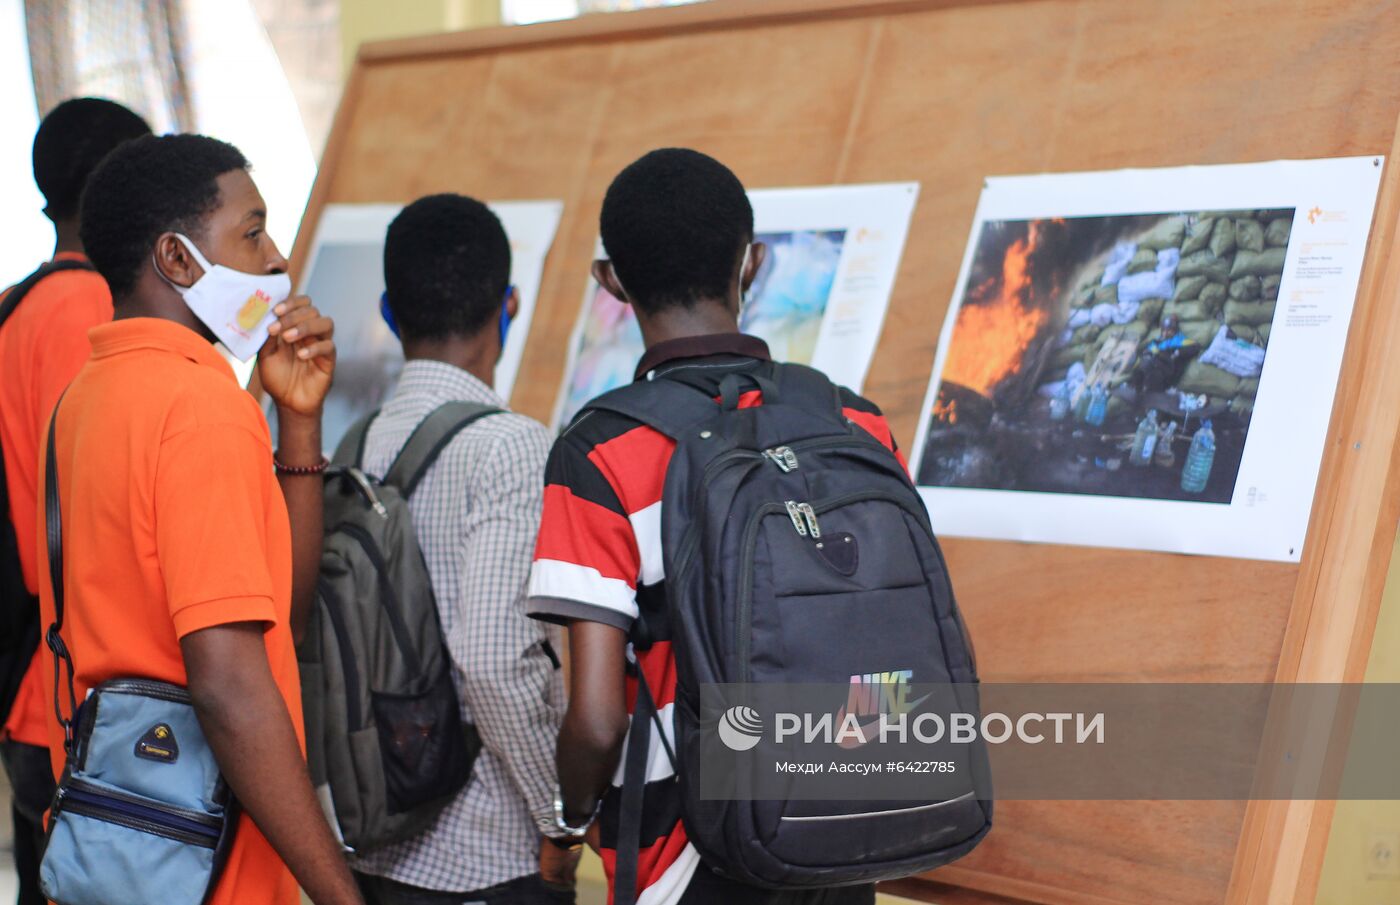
(423, 744)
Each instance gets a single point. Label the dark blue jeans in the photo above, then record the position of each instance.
(530, 890)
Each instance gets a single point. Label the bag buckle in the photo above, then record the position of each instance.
(62, 658)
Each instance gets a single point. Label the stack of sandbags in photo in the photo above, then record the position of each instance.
(1202, 292)
(1100, 314)
(1231, 264)
(1081, 332)
(1242, 262)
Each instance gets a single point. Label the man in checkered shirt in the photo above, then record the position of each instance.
(476, 512)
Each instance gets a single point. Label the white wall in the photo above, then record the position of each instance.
(240, 95)
(26, 237)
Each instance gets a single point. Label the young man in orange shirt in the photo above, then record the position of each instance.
(43, 343)
(184, 560)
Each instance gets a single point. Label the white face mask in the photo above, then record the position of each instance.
(235, 306)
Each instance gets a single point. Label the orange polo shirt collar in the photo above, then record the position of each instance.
(135, 333)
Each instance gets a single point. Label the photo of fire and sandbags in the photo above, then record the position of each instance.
(1114, 355)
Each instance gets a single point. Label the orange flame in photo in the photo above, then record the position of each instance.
(992, 334)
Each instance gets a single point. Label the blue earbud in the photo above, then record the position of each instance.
(388, 315)
(505, 315)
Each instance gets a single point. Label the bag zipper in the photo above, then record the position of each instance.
(783, 457)
(149, 688)
(688, 542)
(858, 436)
(796, 514)
(331, 606)
(367, 490)
(392, 608)
(110, 806)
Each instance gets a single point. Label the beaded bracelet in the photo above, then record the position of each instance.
(301, 469)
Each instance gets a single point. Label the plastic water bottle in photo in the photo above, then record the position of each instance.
(1164, 456)
(1199, 460)
(1145, 440)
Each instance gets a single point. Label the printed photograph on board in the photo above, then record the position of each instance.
(348, 278)
(1113, 356)
(607, 352)
(791, 291)
(344, 274)
(785, 307)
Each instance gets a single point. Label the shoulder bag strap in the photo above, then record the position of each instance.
(53, 532)
(22, 288)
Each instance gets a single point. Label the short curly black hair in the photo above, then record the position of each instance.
(147, 187)
(71, 142)
(674, 223)
(446, 267)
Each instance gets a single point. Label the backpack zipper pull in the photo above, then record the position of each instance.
(783, 457)
(811, 516)
(368, 490)
(795, 513)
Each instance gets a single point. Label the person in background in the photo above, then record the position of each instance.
(191, 548)
(475, 513)
(678, 229)
(43, 343)
(1164, 359)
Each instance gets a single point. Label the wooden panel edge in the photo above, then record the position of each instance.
(326, 169)
(716, 14)
(1328, 639)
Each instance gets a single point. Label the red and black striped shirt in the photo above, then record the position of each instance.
(598, 558)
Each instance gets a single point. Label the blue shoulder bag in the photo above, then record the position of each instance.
(142, 813)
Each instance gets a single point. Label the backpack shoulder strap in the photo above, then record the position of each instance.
(669, 406)
(428, 440)
(351, 449)
(23, 287)
(634, 779)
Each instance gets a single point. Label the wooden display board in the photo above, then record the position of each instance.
(810, 92)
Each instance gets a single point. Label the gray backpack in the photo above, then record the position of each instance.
(385, 739)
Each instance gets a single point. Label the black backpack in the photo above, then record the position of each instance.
(790, 474)
(19, 609)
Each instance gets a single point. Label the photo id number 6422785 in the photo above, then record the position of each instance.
(921, 766)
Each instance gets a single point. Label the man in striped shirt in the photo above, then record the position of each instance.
(678, 229)
(475, 513)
